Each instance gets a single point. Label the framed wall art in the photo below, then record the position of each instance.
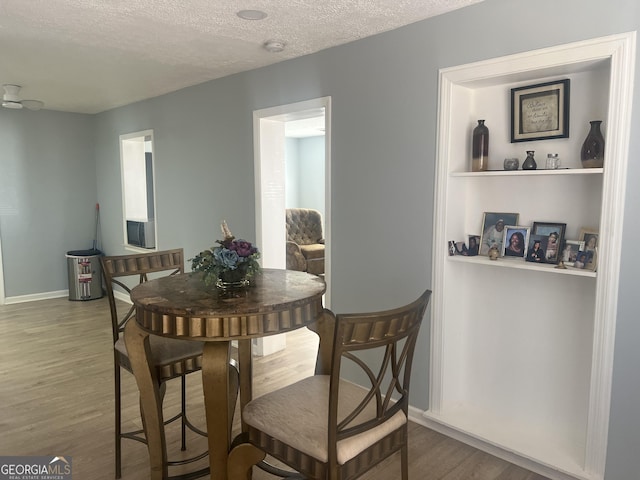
(540, 112)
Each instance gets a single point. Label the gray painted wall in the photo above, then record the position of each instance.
(47, 196)
(305, 167)
(384, 98)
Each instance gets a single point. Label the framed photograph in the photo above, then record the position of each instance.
(583, 259)
(570, 251)
(536, 248)
(452, 248)
(515, 241)
(493, 224)
(461, 249)
(590, 237)
(540, 112)
(474, 245)
(555, 236)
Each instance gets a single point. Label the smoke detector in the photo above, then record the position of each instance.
(273, 46)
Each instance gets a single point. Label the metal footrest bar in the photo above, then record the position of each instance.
(193, 428)
(279, 472)
(191, 475)
(134, 436)
(174, 463)
(138, 435)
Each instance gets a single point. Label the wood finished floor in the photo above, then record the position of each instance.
(56, 398)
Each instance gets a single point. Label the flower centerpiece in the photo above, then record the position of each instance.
(230, 264)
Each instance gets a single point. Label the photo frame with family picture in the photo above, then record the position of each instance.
(591, 238)
(537, 248)
(583, 259)
(570, 251)
(474, 245)
(492, 234)
(555, 237)
(515, 241)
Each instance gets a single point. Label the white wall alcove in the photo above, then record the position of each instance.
(521, 357)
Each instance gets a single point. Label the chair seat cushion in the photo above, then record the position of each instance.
(165, 351)
(298, 416)
(313, 251)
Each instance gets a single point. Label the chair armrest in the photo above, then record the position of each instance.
(295, 259)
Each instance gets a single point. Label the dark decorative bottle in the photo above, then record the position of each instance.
(480, 148)
(530, 162)
(592, 153)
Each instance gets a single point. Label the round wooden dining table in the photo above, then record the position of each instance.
(183, 307)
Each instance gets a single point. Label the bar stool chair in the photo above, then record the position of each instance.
(325, 427)
(171, 358)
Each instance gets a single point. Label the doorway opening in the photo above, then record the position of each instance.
(292, 158)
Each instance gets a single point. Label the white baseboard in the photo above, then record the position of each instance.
(425, 419)
(34, 297)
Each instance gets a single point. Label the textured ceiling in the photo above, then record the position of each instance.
(92, 55)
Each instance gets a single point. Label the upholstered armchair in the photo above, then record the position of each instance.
(305, 242)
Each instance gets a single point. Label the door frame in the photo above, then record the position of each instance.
(2, 293)
(265, 122)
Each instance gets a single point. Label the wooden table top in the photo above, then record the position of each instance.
(182, 306)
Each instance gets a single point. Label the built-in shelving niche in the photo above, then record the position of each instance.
(521, 355)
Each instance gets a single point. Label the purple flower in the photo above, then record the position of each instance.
(243, 248)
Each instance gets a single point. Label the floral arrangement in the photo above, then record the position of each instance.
(231, 261)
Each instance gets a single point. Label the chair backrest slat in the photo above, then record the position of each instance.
(135, 265)
(394, 334)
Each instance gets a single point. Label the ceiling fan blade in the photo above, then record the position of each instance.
(12, 105)
(32, 104)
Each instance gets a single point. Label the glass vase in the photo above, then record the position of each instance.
(592, 153)
(232, 279)
(480, 148)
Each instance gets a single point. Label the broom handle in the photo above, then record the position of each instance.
(95, 236)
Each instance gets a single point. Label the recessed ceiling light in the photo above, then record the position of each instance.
(273, 46)
(251, 14)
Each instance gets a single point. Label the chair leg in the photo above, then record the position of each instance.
(404, 462)
(183, 417)
(118, 418)
(234, 385)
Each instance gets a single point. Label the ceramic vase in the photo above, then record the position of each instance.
(530, 162)
(592, 153)
(480, 148)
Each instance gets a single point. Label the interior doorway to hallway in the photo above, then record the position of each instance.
(276, 129)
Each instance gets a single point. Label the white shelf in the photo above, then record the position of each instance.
(524, 173)
(504, 262)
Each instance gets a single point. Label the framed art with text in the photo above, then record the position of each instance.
(540, 112)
